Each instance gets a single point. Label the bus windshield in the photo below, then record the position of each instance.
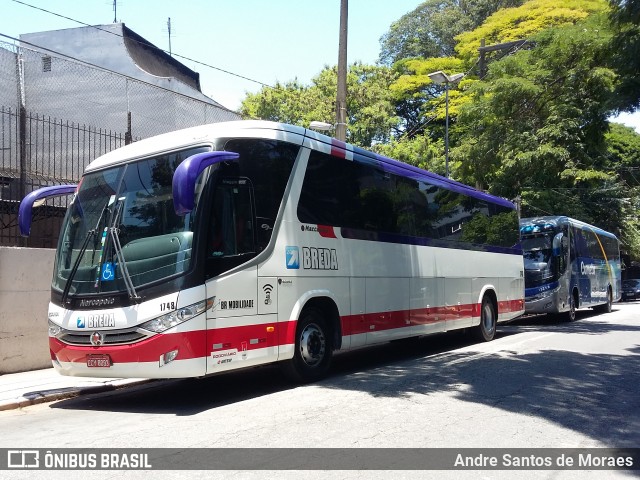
(539, 265)
(122, 229)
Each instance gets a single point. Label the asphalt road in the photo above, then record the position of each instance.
(539, 384)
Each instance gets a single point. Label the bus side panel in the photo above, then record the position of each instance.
(355, 335)
(237, 336)
(387, 308)
(426, 298)
(297, 292)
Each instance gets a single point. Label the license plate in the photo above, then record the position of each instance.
(98, 361)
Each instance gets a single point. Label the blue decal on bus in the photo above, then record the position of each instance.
(108, 272)
(292, 257)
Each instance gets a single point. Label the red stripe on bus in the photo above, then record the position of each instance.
(338, 148)
(188, 344)
(201, 343)
(326, 231)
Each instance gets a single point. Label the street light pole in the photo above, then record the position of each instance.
(341, 98)
(442, 78)
(446, 129)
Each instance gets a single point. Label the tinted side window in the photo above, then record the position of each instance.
(267, 164)
(360, 195)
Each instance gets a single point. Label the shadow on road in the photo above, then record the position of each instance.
(595, 394)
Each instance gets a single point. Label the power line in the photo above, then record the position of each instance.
(142, 43)
(88, 64)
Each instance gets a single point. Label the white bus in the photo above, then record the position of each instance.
(243, 243)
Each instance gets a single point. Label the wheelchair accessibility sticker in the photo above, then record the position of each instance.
(108, 272)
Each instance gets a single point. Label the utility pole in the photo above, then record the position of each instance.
(169, 30)
(341, 98)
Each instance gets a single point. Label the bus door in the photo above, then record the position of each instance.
(562, 253)
(231, 242)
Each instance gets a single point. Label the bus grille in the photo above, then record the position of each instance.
(110, 337)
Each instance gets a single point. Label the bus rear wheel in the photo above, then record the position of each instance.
(313, 348)
(488, 321)
(607, 307)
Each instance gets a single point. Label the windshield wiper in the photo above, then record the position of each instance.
(76, 264)
(113, 231)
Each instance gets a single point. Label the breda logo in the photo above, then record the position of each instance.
(319, 258)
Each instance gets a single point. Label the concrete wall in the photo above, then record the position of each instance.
(25, 289)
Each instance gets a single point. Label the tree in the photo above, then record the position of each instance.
(524, 21)
(540, 116)
(625, 53)
(370, 112)
(623, 152)
(418, 100)
(430, 29)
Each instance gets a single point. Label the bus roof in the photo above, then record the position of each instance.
(204, 134)
(561, 220)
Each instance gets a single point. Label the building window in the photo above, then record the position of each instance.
(46, 64)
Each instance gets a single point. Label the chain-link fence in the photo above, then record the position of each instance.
(57, 115)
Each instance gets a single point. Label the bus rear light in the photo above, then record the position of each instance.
(168, 357)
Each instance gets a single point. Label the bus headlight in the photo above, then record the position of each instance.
(169, 320)
(54, 330)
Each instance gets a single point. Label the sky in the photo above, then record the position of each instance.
(265, 41)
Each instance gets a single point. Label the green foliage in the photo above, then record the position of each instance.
(623, 152)
(625, 52)
(522, 22)
(430, 29)
(419, 100)
(540, 115)
(370, 112)
(419, 151)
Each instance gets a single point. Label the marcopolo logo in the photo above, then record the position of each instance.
(97, 302)
(319, 258)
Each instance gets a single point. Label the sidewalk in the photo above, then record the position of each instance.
(39, 386)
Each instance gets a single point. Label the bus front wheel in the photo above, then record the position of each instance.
(488, 321)
(313, 348)
(570, 315)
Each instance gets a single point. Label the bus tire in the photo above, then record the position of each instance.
(607, 307)
(313, 348)
(570, 315)
(488, 321)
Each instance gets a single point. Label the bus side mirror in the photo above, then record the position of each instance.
(186, 175)
(27, 203)
(559, 244)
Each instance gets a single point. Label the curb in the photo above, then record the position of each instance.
(45, 396)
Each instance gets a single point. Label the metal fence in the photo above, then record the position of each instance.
(57, 115)
(39, 151)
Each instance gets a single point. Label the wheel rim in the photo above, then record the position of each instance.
(488, 321)
(312, 345)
